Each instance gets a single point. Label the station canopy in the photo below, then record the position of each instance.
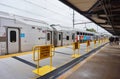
(105, 13)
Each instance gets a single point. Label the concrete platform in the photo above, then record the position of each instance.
(20, 67)
(104, 64)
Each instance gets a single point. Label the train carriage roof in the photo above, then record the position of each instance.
(62, 28)
(84, 31)
(105, 13)
(25, 20)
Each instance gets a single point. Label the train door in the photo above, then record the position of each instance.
(49, 37)
(60, 42)
(13, 40)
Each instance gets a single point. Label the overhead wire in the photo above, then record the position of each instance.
(46, 8)
(54, 5)
(28, 12)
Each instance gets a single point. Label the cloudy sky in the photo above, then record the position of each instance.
(50, 11)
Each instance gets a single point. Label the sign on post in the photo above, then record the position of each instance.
(45, 52)
(76, 46)
(88, 43)
(42, 52)
(94, 41)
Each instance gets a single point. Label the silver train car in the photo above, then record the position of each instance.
(82, 36)
(19, 34)
(62, 36)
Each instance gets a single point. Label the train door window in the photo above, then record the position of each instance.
(83, 34)
(67, 37)
(59, 36)
(73, 36)
(12, 36)
(48, 36)
(80, 33)
(77, 33)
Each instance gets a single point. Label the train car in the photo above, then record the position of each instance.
(18, 34)
(83, 36)
(63, 36)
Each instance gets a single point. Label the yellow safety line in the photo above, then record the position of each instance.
(67, 45)
(30, 52)
(16, 54)
(69, 72)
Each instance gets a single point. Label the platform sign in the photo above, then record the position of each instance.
(94, 41)
(88, 43)
(45, 52)
(42, 52)
(76, 45)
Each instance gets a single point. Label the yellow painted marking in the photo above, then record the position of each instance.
(16, 54)
(72, 70)
(25, 53)
(75, 55)
(67, 45)
(87, 49)
(43, 70)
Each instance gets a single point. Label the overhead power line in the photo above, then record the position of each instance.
(46, 8)
(29, 12)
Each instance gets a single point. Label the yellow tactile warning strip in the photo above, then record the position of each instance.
(72, 70)
(67, 45)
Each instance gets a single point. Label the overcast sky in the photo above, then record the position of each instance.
(50, 11)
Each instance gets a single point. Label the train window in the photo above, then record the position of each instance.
(59, 36)
(12, 36)
(77, 33)
(67, 38)
(73, 36)
(48, 36)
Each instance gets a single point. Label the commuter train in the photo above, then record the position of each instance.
(19, 34)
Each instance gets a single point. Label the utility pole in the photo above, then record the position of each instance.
(85, 27)
(97, 28)
(73, 19)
